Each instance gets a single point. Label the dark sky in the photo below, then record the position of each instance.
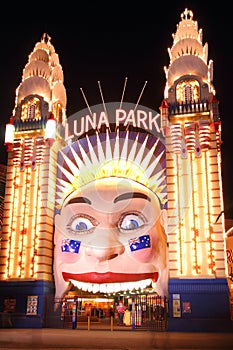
(107, 43)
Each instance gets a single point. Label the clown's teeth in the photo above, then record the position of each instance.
(89, 287)
(103, 288)
(115, 286)
(111, 287)
(95, 287)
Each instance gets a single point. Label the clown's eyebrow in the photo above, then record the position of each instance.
(131, 195)
(78, 200)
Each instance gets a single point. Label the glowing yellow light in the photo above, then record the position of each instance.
(123, 168)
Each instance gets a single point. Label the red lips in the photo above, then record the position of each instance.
(109, 277)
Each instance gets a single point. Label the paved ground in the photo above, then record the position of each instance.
(111, 340)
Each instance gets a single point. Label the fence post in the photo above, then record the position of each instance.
(133, 315)
(74, 311)
(111, 323)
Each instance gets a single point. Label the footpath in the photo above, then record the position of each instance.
(47, 338)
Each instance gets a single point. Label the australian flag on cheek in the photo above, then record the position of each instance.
(70, 245)
(139, 243)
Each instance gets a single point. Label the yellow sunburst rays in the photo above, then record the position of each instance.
(113, 154)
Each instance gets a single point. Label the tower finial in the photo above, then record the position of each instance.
(187, 14)
(45, 38)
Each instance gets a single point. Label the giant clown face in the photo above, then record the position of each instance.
(109, 237)
(110, 229)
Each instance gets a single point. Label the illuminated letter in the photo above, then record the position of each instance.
(91, 120)
(153, 121)
(103, 120)
(130, 118)
(141, 118)
(82, 127)
(118, 117)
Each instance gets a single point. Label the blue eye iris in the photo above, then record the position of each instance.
(131, 222)
(81, 226)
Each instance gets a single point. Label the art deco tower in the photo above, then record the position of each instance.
(33, 138)
(192, 129)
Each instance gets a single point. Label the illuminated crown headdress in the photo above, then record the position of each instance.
(135, 155)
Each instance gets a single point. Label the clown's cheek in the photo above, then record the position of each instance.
(67, 257)
(143, 255)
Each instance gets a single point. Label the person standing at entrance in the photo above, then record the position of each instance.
(127, 318)
(121, 310)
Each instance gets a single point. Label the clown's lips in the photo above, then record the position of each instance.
(109, 277)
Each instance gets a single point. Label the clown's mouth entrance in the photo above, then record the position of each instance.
(102, 282)
(144, 309)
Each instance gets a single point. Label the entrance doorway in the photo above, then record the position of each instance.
(145, 311)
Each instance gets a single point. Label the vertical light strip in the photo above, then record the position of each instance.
(23, 231)
(12, 213)
(31, 223)
(185, 195)
(28, 209)
(39, 153)
(37, 217)
(195, 231)
(18, 224)
(221, 210)
(202, 171)
(176, 227)
(27, 226)
(209, 233)
(179, 233)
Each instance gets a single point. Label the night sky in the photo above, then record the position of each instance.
(109, 43)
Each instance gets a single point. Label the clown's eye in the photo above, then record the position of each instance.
(81, 224)
(131, 222)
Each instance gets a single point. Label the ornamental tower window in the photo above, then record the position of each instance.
(187, 91)
(31, 110)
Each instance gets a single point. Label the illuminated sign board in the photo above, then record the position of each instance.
(128, 115)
